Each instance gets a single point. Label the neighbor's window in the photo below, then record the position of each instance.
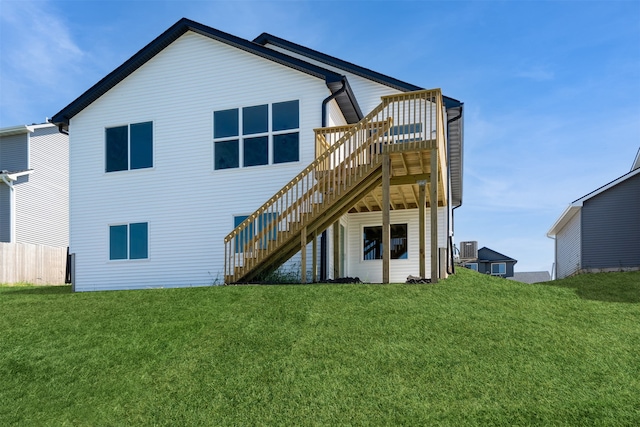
(129, 147)
(256, 135)
(372, 242)
(498, 269)
(472, 266)
(129, 241)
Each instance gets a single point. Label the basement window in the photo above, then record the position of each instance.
(372, 242)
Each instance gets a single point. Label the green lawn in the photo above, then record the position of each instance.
(471, 350)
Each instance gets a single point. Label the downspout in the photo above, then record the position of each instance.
(323, 236)
(453, 265)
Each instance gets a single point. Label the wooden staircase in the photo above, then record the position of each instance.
(348, 167)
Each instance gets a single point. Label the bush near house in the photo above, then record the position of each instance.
(471, 350)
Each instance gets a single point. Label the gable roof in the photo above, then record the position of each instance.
(266, 38)
(485, 254)
(334, 81)
(576, 205)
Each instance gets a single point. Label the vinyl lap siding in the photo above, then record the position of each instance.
(189, 207)
(371, 270)
(5, 212)
(568, 248)
(14, 153)
(611, 227)
(367, 92)
(42, 208)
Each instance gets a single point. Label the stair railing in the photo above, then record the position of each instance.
(344, 156)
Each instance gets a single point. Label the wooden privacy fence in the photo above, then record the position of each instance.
(37, 264)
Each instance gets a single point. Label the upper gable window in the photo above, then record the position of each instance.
(129, 147)
(256, 135)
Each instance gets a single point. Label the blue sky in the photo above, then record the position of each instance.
(551, 88)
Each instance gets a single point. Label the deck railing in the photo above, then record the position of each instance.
(345, 155)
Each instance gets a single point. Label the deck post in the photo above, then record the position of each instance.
(336, 249)
(386, 220)
(303, 255)
(422, 201)
(433, 208)
(314, 259)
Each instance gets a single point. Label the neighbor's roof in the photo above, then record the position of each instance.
(576, 205)
(489, 255)
(22, 129)
(334, 81)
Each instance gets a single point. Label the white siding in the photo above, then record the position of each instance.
(189, 207)
(371, 270)
(42, 201)
(367, 92)
(568, 248)
(335, 114)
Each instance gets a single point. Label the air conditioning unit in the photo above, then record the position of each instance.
(468, 250)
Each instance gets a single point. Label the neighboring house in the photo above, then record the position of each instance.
(34, 185)
(601, 230)
(488, 261)
(206, 158)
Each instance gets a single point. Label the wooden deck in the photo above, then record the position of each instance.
(389, 160)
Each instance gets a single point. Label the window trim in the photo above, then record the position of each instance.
(499, 274)
(241, 137)
(128, 241)
(128, 126)
(362, 257)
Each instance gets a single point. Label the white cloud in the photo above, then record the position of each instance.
(39, 58)
(37, 42)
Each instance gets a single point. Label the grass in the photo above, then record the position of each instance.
(471, 350)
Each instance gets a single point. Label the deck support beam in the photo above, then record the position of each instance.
(303, 255)
(433, 208)
(336, 249)
(422, 201)
(386, 219)
(314, 257)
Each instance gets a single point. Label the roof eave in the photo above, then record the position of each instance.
(62, 118)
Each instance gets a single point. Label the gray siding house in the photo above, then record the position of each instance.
(34, 185)
(601, 230)
(491, 262)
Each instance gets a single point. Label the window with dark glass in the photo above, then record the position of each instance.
(243, 239)
(129, 241)
(256, 151)
(129, 147)
(498, 269)
(372, 242)
(256, 135)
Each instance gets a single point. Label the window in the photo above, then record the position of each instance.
(256, 135)
(129, 147)
(472, 266)
(372, 247)
(245, 236)
(129, 241)
(498, 269)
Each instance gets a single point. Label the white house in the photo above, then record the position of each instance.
(206, 158)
